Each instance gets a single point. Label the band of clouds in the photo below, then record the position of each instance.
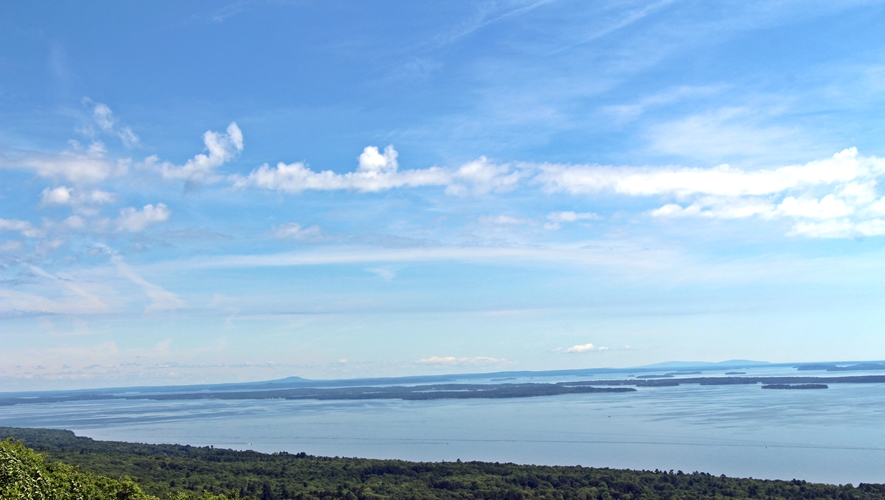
(379, 171)
(831, 198)
(834, 197)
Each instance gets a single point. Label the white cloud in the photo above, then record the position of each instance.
(504, 220)
(161, 299)
(719, 208)
(16, 301)
(63, 195)
(56, 196)
(21, 226)
(727, 133)
(843, 167)
(577, 349)
(222, 148)
(107, 122)
(73, 222)
(133, 220)
(452, 360)
(840, 228)
(374, 162)
(95, 303)
(76, 164)
(633, 111)
(557, 218)
(385, 273)
(828, 207)
(841, 189)
(95, 196)
(841, 186)
(482, 176)
(294, 231)
(861, 192)
(11, 246)
(76, 298)
(380, 172)
(103, 116)
(571, 216)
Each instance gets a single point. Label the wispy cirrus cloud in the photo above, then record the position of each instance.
(108, 123)
(295, 231)
(78, 164)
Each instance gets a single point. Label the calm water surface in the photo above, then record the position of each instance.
(835, 435)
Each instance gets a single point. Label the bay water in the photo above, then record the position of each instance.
(835, 435)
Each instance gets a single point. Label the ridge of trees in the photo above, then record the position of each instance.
(183, 472)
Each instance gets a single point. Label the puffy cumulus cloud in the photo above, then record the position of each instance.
(294, 231)
(557, 218)
(581, 348)
(371, 160)
(379, 171)
(134, 220)
(452, 360)
(77, 164)
(56, 196)
(222, 148)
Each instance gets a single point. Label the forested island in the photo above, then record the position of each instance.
(441, 391)
(79, 468)
(796, 386)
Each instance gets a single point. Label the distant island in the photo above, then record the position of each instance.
(497, 390)
(795, 386)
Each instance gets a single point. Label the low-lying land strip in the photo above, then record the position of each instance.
(449, 391)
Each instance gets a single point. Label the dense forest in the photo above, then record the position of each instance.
(121, 471)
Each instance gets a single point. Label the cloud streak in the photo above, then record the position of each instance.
(380, 172)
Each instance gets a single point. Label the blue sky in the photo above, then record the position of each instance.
(226, 191)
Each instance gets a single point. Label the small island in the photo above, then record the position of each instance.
(796, 386)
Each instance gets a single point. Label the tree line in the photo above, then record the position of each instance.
(124, 471)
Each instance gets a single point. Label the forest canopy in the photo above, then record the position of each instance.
(72, 467)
